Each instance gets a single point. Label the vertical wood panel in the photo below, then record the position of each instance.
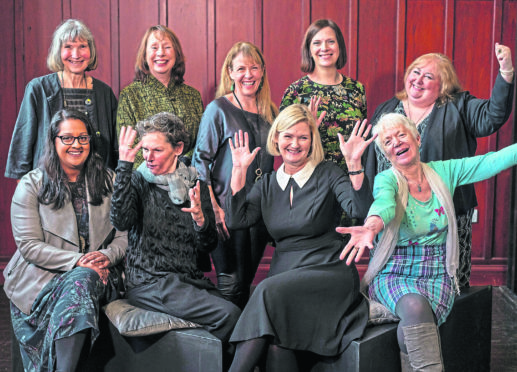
(9, 110)
(282, 41)
(377, 60)
(135, 18)
(382, 39)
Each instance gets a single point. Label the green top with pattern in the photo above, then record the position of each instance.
(345, 104)
(140, 100)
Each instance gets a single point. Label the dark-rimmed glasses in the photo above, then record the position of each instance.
(69, 140)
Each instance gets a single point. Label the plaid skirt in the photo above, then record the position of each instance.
(68, 304)
(415, 269)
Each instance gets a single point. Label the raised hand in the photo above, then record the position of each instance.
(195, 205)
(126, 139)
(504, 57)
(354, 148)
(313, 107)
(241, 155)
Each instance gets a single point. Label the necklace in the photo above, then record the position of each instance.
(258, 171)
(424, 114)
(87, 101)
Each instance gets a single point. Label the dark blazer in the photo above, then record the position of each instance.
(48, 241)
(453, 130)
(43, 98)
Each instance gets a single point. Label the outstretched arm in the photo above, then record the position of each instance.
(361, 237)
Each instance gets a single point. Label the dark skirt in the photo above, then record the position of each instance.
(68, 304)
(314, 308)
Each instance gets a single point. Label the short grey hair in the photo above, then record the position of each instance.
(70, 30)
(389, 121)
(167, 123)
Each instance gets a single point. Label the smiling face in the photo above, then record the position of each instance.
(294, 145)
(72, 157)
(423, 84)
(75, 55)
(160, 56)
(400, 147)
(246, 74)
(325, 48)
(160, 156)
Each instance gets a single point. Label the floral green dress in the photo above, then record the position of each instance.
(345, 104)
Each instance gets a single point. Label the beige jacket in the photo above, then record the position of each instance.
(47, 241)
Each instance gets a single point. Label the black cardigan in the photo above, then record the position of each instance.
(452, 131)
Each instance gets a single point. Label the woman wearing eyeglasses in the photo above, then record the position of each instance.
(66, 245)
(243, 103)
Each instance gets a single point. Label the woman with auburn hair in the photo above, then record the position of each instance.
(159, 85)
(72, 53)
(243, 103)
(336, 100)
(449, 121)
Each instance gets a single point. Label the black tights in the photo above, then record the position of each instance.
(68, 351)
(249, 353)
(412, 309)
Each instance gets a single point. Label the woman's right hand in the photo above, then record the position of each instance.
(126, 139)
(241, 155)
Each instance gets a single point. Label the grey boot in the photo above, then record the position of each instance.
(423, 346)
(404, 363)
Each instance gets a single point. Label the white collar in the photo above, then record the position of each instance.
(301, 177)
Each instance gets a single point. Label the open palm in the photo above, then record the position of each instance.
(241, 155)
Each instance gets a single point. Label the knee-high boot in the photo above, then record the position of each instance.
(404, 363)
(423, 346)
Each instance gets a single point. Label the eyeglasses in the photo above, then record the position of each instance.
(69, 140)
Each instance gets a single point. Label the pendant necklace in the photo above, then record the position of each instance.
(87, 101)
(258, 171)
(424, 114)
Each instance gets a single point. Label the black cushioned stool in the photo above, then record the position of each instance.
(466, 340)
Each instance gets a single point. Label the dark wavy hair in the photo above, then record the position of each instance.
(169, 125)
(55, 188)
(308, 64)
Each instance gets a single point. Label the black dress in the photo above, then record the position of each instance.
(310, 300)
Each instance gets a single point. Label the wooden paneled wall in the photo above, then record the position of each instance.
(382, 39)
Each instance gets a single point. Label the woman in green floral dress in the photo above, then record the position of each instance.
(336, 99)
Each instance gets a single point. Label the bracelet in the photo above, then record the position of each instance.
(355, 173)
(507, 73)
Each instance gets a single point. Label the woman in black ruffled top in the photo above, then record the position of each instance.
(171, 227)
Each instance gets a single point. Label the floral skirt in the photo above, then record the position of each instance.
(68, 304)
(415, 269)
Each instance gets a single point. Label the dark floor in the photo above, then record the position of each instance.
(504, 331)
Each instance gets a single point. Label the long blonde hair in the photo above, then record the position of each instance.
(267, 108)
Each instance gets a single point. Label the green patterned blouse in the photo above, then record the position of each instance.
(345, 103)
(140, 100)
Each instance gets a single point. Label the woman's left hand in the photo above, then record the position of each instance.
(361, 239)
(94, 258)
(354, 148)
(504, 57)
(313, 107)
(195, 205)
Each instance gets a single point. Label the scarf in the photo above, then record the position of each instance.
(389, 239)
(177, 183)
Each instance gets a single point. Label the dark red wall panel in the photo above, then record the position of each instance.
(382, 39)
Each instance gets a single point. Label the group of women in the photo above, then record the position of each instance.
(229, 202)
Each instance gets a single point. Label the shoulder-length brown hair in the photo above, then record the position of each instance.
(308, 64)
(141, 66)
(450, 83)
(266, 106)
